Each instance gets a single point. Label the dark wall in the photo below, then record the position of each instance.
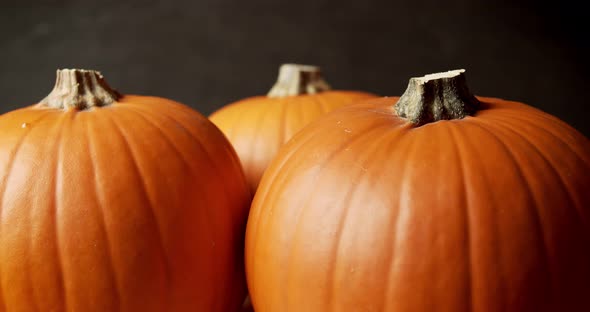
(207, 53)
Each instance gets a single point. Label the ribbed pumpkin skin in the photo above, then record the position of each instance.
(138, 206)
(258, 126)
(361, 211)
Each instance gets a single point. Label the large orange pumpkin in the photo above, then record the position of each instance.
(258, 126)
(116, 202)
(438, 201)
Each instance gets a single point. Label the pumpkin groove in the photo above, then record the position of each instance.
(456, 136)
(59, 276)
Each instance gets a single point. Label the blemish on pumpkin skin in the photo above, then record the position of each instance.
(25, 125)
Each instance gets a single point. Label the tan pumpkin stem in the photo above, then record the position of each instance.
(79, 89)
(434, 97)
(297, 79)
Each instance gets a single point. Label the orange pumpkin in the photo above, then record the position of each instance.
(258, 126)
(116, 202)
(437, 201)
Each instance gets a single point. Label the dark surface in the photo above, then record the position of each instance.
(208, 53)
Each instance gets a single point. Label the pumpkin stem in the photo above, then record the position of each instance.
(434, 97)
(79, 89)
(295, 79)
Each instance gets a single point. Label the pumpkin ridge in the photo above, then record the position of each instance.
(90, 134)
(258, 191)
(583, 161)
(283, 120)
(457, 136)
(515, 111)
(496, 226)
(485, 180)
(386, 136)
(262, 194)
(344, 95)
(254, 139)
(32, 294)
(398, 218)
(203, 146)
(334, 153)
(187, 129)
(523, 178)
(151, 122)
(300, 115)
(30, 245)
(321, 104)
(572, 199)
(394, 143)
(236, 117)
(348, 199)
(349, 194)
(136, 109)
(4, 185)
(137, 112)
(56, 182)
(145, 194)
(11, 159)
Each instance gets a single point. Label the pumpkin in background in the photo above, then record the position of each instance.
(116, 202)
(438, 201)
(258, 126)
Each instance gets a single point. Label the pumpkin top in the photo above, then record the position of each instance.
(295, 79)
(79, 89)
(434, 97)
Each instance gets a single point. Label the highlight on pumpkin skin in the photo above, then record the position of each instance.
(258, 126)
(438, 96)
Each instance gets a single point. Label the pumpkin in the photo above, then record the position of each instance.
(258, 126)
(435, 201)
(115, 202)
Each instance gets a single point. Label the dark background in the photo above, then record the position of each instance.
(207, 53)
